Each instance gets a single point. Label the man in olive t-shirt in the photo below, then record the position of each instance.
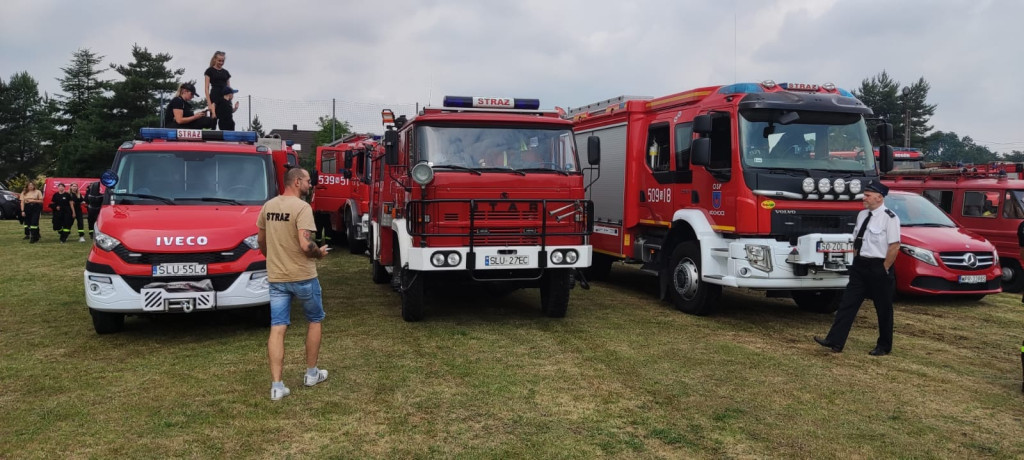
(286, 238)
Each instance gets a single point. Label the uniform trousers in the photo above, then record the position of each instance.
(868, 279)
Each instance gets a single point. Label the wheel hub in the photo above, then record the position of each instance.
(685, 279)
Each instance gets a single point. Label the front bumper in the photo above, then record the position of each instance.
(499, 257)
(783, 266)
(918, 278)
(111, 293)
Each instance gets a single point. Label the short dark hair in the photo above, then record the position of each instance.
(292, 175)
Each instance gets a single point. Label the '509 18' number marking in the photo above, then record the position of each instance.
(658, 195)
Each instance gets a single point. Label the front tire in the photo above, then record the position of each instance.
(107, 323)
(1014, 282)
(822, 301)
(688, 292)
(554, 292)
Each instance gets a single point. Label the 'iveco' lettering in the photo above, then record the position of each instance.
(279, 216)
(181, 241)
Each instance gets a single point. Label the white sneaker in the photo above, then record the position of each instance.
(81, 239)
(315, 379)
(277, 393)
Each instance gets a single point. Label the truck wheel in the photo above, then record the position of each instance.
(107, 323)
(412, 295)
(554, 292)
(600, 267)
(355, 246)
(823, 301)
(1013, 277)
(688, 292)
(380, 275)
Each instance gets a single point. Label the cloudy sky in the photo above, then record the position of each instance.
(293, 57)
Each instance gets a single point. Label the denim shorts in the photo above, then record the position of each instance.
(281, 295)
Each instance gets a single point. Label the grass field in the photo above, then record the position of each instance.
(623, 375)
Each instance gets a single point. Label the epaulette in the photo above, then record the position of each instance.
(890, 213)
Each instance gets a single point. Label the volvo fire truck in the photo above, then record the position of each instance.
(177, 228)
(732, 186)
(481, 190)
(987, 199)
(342, 195)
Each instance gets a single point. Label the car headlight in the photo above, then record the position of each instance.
(252, 241)
(557, 257)
(824, 185)
(921, 254)
(808, 185)
(104, 241)
(454, 258)
(571, 256)
(855, 186)
(839, 185)
(759, 256)
(422, 173)
(437, 259)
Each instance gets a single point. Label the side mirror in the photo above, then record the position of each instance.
(391, 147)
(594, 150)
(700, 151)
(702, 124)
(347, 173)
(348, 160)
(316, 177)
(884, 132)
(885, 161)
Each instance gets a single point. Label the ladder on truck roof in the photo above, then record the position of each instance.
(599, 105)
(984, 171)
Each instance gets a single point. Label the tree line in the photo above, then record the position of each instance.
(75, 133)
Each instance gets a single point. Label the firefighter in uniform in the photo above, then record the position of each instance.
(32, 207)
(76, 210)
(93, 201)
(876, 244)
(61, 204)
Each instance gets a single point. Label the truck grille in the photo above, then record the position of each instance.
(804, 222)
(499, 222)
(154, 258)
(220, 282)
(967, 261)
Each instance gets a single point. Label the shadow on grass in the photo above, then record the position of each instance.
(196, 326)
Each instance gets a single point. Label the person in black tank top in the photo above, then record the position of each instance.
(217, 78)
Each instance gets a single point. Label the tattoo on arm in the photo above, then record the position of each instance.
(311, 249)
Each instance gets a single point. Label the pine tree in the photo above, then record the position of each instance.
(885, 98)
(81, 86)
(257, 126)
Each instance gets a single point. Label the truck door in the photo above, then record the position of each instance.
(715, 187)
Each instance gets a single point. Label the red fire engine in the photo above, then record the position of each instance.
(983, 199)
(732, 185)
(342, 195)
(483, 190)
(177, 229)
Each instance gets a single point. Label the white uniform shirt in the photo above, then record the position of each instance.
(883, 230)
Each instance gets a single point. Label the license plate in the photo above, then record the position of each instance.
(179, 269)
(506, 261)
(972, 279)
(835, 246)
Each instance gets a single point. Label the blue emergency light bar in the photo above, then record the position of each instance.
(478, 102)
(172, 134)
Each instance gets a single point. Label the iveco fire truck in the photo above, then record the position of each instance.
(732, 185)
(177, 228)
(342, 195)
(986, 199)
(486, 190)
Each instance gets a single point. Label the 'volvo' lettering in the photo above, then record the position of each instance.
(181, 241)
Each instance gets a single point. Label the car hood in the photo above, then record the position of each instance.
(173, 229)
(944, 239)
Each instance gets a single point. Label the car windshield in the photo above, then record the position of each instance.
(834, 143)
(917, 211)
(191, 178)
(487, 148)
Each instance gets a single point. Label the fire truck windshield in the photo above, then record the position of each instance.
(488, 148)
(802, 146)
(193, 178)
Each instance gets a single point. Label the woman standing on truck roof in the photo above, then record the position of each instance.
(217, 78)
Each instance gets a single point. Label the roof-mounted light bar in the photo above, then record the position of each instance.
(172, 134)
(479, 102)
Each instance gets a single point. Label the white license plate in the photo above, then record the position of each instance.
(972, 279)
(180, 269)
(506, 261)
(835, 246)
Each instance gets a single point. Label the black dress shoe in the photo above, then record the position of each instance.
(878, 352)
(827, 344)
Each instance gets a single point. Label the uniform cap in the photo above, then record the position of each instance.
(877, 187)
(190, 87)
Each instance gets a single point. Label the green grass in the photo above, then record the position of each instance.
(624, 375)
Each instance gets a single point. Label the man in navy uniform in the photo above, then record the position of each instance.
(876, 244)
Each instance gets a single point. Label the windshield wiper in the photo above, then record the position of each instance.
(147, 197)
(789, 171)
(459, 168)
(559, 171)
(209, 198)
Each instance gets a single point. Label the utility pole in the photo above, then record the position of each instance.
(906, 116)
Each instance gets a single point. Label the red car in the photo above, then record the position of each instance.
(939, 257)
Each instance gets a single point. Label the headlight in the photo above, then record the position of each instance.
(422, 173)
(921, 254)
(437, 259)
(454, 258)
(855, 186)
(252, 241)
(104, 241)
(808, 185)
(760, 257)
(839, 185)
(557, 257)
(824, 185)
(571, 256)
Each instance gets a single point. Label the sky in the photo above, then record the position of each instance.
(291, 59)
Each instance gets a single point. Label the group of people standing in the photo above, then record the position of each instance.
(66, 206)
(219, 112)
